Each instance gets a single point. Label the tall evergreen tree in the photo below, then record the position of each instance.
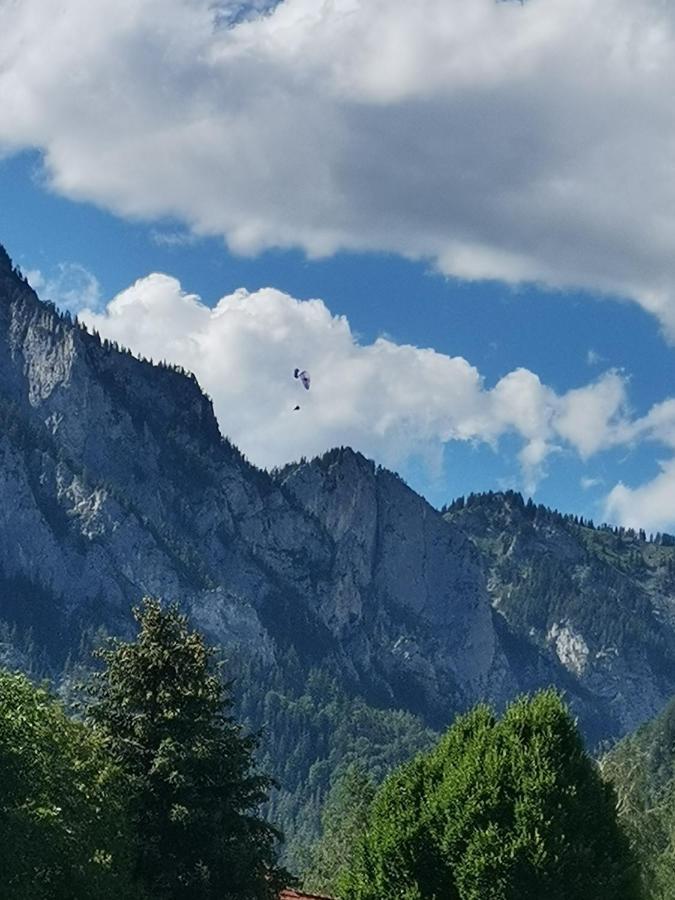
(163, 712)
(510, 810)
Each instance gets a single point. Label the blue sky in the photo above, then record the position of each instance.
(509, 265)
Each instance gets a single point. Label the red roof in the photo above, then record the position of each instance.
(295, 895)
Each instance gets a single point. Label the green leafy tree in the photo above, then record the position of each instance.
(509, 809)
(342, 824)
(162, 710)
(62, 804)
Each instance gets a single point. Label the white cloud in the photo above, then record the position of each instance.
(71, 286)
(393, 401)
(650, 506)
(594, 417)
(501, 140)
(658, 425)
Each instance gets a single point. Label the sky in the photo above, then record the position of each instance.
(459, 217)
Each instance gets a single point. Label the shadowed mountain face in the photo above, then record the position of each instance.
(115, 482)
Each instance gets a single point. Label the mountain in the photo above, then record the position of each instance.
(600, 601)
(354, 616)
(116, 483)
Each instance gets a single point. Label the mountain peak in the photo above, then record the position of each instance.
(6, 266)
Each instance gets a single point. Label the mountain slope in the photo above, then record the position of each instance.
(337, 594)
(598, 601)
(117, 483)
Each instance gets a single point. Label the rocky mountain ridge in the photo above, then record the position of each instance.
(117, 483)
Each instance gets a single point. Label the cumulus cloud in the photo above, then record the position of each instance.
(513, 141)
(651, 504)
(594, 417)
(658, 425)
(648, 506)
(393, 401)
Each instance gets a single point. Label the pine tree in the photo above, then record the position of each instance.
(162, 709)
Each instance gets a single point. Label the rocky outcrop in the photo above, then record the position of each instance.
(399, 572)
(117, 483)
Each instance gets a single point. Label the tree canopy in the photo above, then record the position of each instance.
(62, 803)
(342, 825)
(642, 769)
(510, 809)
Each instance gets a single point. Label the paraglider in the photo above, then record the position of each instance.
(303, 376)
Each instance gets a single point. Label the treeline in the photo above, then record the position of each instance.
(537, 511)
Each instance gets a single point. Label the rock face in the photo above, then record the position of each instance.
(116, 482)
(405, 594)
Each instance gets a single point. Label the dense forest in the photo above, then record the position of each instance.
(149, 791)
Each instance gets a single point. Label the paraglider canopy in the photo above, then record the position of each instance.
(303, 375)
